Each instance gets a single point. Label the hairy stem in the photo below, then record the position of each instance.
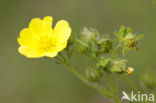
(131, 83)
(74, 71)
(93, 85)
(115, 96)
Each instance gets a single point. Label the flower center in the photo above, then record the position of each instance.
(45, 43)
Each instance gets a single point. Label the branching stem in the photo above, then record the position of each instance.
(114, 97)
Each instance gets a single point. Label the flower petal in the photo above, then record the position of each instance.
(62, 32)
(48, 20)
(27, 38)
(48, 25)
(51, 55)
(41, 27)
(62, 46)
(29, 52)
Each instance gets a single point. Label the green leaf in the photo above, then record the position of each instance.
(96, 33)
(119, 65)
(89, 34)
(137, 49)
(116, 34)
(116, 69)
(103, 62)
(124, 51)
(129, 30)
(139, 37)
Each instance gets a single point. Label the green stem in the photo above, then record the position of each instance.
(61, 55)
(57, 58)
(131, 83)
(91, 84)
(81, 78)
(74, 71)
(115, 96)
(95, 59)
(116, 50)
(99, 89)
(106, 94)
(110, 80)
(116, 100)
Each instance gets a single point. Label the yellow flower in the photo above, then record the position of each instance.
(39, 39)
(129, 70)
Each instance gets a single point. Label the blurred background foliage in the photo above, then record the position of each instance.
(24, 80)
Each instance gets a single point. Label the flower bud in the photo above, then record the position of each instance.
(129, 70)
(83, 49)
(118, 66)
(93, 49)
(89, 35)
(82, 46)
(129, 36)
(93, 74)
(71, 40)
(104, 63)
(129, 41)
(105, 46)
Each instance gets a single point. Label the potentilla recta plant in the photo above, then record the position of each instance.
(107, 61)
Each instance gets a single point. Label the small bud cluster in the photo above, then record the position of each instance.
(101, 49)
(128, 40)
(105, 58)
(87, 43)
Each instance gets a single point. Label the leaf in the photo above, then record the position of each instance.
(129, 30)
(71, 52)
(93, 48)
(96, 33)
(58, 62)
(122, 29)
(116, 70)
(116, 34)
(137, 49)
(124, 51)
(139, 37)
(103, 62)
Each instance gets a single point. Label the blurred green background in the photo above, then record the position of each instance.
(24, 80)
